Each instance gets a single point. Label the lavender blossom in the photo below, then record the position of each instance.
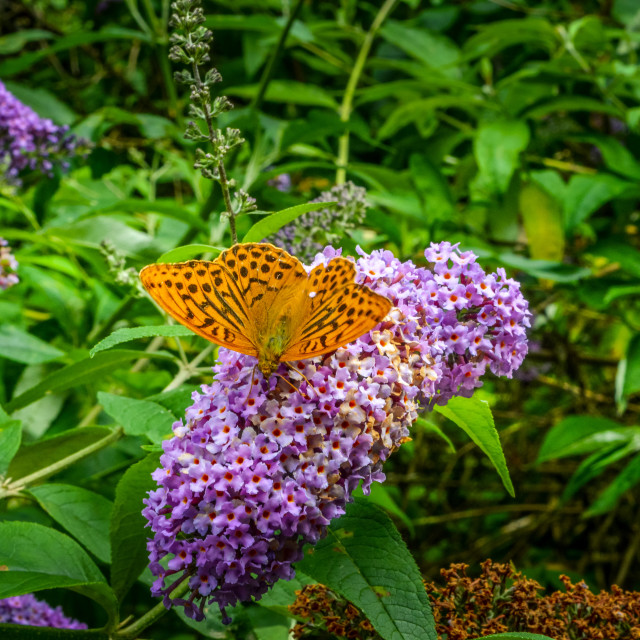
(29, 142)
(259, 470)
(308, 234)
(28, 610)
(8, 266)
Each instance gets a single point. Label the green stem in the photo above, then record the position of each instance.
(134, 630)
(41, 474)
(186, 372)
(347, 100)
(268, 70)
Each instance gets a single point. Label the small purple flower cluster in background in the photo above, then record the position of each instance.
(308, 234)
(28, 610)
(28, 141)
(8, 266)
(259, 470)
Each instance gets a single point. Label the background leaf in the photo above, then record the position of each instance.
(364, 559)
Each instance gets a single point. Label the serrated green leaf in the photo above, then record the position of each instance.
(364, 559)
(20, 346)
(134, 333)
(138, 417)
(80, 373)
(474, 417)
(127, 531)
(272, 223)
(188, 252)
(35, 557)
(84, 514)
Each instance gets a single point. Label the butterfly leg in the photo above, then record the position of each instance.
(305, 377)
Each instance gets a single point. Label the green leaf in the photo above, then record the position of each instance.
(45, 453)
(20, 346)
(283, 593)
(542, 217)
(138, 417)
(615, 155)
(598, 462)
(545, 269)
(84, 514)
(572, 103)
(24, 61)
(10, 437)
(474, 417)
(267, 624)
(44, 103)
(125, 335)
(80, 373)
(188, 252)
(575, 435)
(288, 92)
(272, 223)
(26, 632)
(35, 557)
(433, 428)
(432, 49)
(627, 479)
(628, 378)
(127, 530)
(381, 497)
(497, 148)
(496, 36)
(15, 42)
(364, 559)
(586, 194)
(626, 12)
(432, 187)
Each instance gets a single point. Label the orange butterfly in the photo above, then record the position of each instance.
(257, 299)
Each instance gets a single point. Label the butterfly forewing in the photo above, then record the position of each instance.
(204, 297)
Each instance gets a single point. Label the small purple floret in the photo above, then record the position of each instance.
(29, 142)
(28, 610)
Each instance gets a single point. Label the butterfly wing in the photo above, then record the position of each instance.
(268, 279)
(338, 311)
(204, 297)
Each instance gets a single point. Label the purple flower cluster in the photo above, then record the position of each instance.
(28, 141)
(308, 234)
(261, 467)
(28, 610)
(8, 266)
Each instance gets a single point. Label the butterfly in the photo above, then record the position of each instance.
(257, 299)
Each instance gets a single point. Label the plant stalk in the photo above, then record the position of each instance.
(347, 100)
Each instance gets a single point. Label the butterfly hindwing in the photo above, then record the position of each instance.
(343, 317)
(202, 296)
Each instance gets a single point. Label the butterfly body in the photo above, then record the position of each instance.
(259, 300)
